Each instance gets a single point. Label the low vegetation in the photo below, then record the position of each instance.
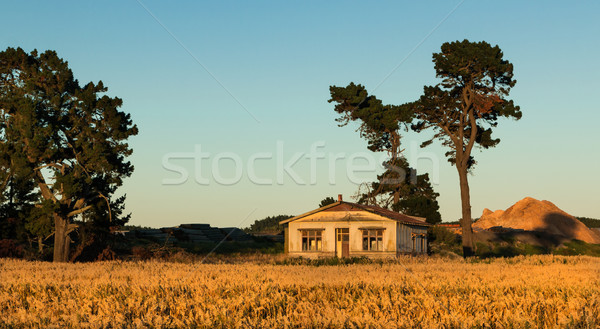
(578, 248)
(522, 292)
(444, 242)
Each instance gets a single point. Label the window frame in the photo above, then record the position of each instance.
(309, 235)
(370, 236)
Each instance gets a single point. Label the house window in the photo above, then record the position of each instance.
(421, 245)
(373, 240)
(312, 240)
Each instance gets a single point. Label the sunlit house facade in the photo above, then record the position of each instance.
(345, 229)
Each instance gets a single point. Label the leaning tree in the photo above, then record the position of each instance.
(70, 139)
(462, 109)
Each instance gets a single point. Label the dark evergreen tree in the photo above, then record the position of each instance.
(17, 200)
(416, 196)
(327, 201)
(71, 139)
(268, 224)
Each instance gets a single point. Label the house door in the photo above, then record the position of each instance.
(342, 242)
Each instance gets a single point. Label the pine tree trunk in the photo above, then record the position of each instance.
(62, 242)
(466, 221)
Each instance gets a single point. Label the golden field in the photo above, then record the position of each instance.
(429, 292)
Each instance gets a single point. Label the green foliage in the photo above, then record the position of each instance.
(379, 124)
(530, 249)
(442, 235)
(419, 206)
(494, 250)
(68, 140)
(40, 223)
(443, 241)
(398, 188)
(590, 222)
(466, 105)
(511, 248)
(327, 201)
(269, 224)
(577, 247)
(17, 201)
(99, 219)
(416, 196)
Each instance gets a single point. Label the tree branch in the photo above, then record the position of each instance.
(6, 180)
(108, 205)
(54, 164)
(46, 193)
(78, 211)
(79, 203)
(454, 139)
(473, 136)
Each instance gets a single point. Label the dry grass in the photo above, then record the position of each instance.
(538, 291)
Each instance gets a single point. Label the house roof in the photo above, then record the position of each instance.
(348, 206)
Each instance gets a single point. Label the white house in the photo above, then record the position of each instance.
(345, 229)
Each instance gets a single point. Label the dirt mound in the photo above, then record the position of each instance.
(534, 215)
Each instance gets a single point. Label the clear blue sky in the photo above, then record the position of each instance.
(278, 60)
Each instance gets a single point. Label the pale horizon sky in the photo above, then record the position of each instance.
(271, 65)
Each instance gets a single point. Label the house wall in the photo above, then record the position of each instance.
(329, 221)
(286, 238)
(405, 241)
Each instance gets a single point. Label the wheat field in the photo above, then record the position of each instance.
(428, 292)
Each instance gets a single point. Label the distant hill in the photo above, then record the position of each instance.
(267, 225)
(530, 214)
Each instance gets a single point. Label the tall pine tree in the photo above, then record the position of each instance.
(464, 107)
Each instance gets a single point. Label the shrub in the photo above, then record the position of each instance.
(442, 235)
(107, 254)
(10, 249)
(577, 247)
(141, 253)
